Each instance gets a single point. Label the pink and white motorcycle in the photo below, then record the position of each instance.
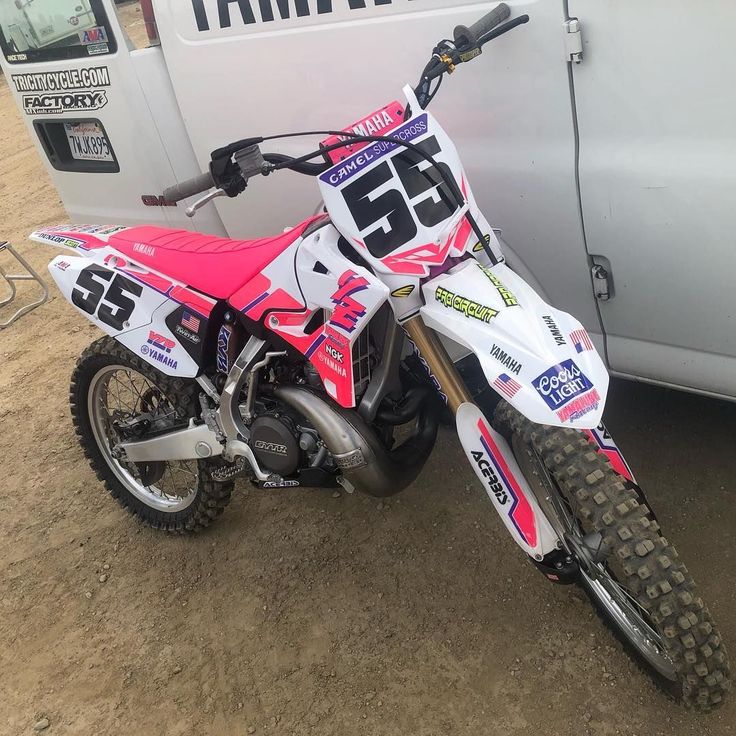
(293, 360)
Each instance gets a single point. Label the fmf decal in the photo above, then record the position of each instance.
(506, 360)
(503, 485)
(269, 10)
(562, 383)
(508, 298)
(554, 330)
(348, 310)
(63, 81)
(463, 305)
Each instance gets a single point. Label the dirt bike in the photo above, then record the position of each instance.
(299, 360)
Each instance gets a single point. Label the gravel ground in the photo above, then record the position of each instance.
(299, 612)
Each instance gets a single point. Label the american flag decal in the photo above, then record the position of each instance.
(190, 322)
(581, 341)
(507, 386)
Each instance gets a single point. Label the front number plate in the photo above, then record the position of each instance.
(88, 142)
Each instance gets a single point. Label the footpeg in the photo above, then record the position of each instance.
(225, 473)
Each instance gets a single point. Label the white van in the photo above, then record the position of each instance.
(600, 137)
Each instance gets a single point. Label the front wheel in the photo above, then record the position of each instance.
(629, 570)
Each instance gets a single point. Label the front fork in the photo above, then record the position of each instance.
(487, 451)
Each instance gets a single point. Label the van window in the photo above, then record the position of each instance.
(48, 30)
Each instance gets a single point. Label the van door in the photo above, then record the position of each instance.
(657, 115)
(256, 67)
(102, 115)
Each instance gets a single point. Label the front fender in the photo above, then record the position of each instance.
(539, 359)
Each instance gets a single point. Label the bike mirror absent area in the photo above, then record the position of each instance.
(51, 30)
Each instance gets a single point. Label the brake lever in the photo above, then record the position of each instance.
(191, 211)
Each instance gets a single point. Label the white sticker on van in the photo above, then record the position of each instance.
(69, 90)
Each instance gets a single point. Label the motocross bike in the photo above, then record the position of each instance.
(300, 360)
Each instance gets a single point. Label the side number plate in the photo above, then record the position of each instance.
(108, 295)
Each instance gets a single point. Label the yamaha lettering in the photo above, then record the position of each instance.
(561, 384)
(227, 12)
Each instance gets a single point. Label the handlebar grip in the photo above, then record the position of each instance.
(465, 36)
(190, 187)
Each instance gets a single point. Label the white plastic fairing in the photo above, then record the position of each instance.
(539, 359)
(493, 461)
(127, 309)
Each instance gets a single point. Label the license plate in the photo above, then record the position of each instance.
(88, 142)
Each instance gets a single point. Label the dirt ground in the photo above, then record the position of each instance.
(301, 613)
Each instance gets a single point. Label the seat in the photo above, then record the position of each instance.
(215, 266)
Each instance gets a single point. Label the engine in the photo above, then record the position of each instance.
(274, 439)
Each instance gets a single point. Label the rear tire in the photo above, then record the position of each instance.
(196, 499)
(636, 559)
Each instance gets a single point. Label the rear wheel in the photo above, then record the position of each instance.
(631, 573)
(115, 397)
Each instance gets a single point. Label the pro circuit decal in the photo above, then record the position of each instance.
(561, 383)
(508, 298)
(464, 305)
(50, 93)
(249, 12)
(503, 486)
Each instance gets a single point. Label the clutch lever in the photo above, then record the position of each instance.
(214, 194)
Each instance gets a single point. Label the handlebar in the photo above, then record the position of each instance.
(189, 188)
(465, 36)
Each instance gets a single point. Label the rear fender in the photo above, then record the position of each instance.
(539, 359)
(162, 321)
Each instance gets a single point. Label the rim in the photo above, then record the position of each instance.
(631, 620)
(119, 393)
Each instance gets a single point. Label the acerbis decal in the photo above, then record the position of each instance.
(348, 310)
(270, 10)
(554, 329)
(403, 292)
(520, 512)
(508, 298)
(463, 305)
(506, 360)
(562, 383)
(280, 484)
(487, 472)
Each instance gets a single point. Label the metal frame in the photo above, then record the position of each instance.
(11, 278)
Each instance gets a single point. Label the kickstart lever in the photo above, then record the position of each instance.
(191, 211)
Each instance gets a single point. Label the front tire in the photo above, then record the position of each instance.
(631, 573)
(111, 389)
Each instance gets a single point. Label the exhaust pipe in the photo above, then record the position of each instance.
(358, 452)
